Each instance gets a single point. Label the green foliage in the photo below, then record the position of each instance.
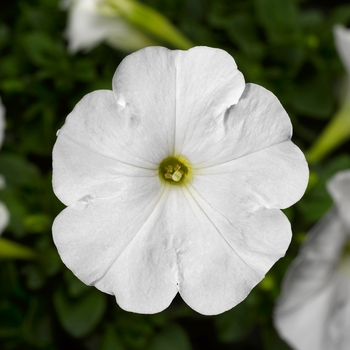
(286, 46)
(79, 316)
(172, 338)
(237, 323)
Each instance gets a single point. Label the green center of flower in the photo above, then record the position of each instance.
(175, 170)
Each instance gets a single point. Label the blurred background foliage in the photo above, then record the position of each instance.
(286, 46)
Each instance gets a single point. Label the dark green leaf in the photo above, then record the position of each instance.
(171, 338)
(81, 315)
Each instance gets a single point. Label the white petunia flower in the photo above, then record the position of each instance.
(342, 44)
(174, 181)
(313, 311)
(338, 129)
(88, 27)
(4, 215)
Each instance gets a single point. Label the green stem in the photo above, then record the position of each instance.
(335, 134)
(149, 20)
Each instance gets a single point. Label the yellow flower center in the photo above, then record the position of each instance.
(175, 170)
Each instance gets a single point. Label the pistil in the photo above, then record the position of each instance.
(175, 170)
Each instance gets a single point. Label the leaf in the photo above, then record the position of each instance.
(279, 17)
(16, 169)
(235, 324)
(272, 341)
(314, 97)
(171, 338)
(80, 316)
(75, 287)
(110, 340)
(40, 48)
(37, 223)
(37, 324)
(34, 277)
(340, 14)
(13, 250)
(241, 29)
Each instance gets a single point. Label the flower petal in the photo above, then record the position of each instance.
(342, 43)
(96, 152)
(274, 177)
(207, 84)
(230, 250)
(339, 188)
(310, 286)
(305, 328)
(87, 27)
(144, 86)
(315, 264)
(144, 279)
(4, 217)
(117, 245)
(256, 122)
(178, 78)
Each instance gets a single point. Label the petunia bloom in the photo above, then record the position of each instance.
(342, 44)
(338, 129)
(4, 215)
(88, 27)
(313, 311)
(173, 182)
(124, 24)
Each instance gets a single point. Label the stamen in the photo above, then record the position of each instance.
(177, 175)
(175, 170)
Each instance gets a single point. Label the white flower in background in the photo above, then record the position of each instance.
(174, 181)
(342, 44)
(4, 215)
(88, 27)
(313, 311)
(338, 129)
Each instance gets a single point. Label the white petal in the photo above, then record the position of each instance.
(86, 28)
(304, 328)
(119, 246)
(207, 84)
(144, 279)
(145, 88)
(339, 188)
(4, 217)
(256, 122)
(229, 251)
(96, 150)
(342, 43)
(320, 323)
(183, 92)
(337, 331)
(274, 177)
(302, 314)
(143, 253)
